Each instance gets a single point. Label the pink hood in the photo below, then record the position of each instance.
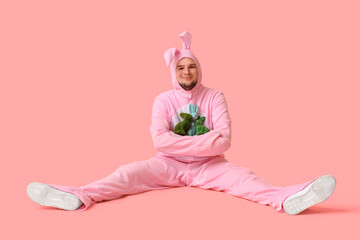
(173, 55)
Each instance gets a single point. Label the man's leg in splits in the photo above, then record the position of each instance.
(132, 178)
(221, 175)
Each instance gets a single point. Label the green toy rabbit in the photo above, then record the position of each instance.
(193, 111)
(182, 127)
(200, 129)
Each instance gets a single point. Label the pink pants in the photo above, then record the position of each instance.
(157, 173)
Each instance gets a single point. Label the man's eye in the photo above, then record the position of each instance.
(180, 68)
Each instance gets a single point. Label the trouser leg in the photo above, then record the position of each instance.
(132, 178)
(221, 175)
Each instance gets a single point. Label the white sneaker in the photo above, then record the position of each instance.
(45, 195)
(318, 191)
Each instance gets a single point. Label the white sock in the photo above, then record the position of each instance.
(45, 195)
(318, 191)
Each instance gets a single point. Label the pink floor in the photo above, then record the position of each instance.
(182, 213)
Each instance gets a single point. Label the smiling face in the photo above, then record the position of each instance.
(186, 73)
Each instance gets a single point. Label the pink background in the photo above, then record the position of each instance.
(78, 79)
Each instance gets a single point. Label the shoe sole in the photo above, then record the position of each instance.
(45, 195)
(318, 191)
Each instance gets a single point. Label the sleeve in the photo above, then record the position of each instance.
(212, 143)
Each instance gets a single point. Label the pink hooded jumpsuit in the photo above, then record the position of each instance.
(195, 161)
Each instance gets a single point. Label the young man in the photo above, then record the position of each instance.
(195, 159)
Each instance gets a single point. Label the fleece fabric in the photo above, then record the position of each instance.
(195, 161)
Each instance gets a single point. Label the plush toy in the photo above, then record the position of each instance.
(192, 129)
(200, 129)
(182, 127)
(193, 111)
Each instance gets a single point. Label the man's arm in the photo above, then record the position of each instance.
(212, 143)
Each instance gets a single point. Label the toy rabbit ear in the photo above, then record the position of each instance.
(185, 39)
(191, 108)
(169, 55)
(196, 108)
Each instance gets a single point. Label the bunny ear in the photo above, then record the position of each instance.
(196, 108)
(191, 108)
(185, 39)
(169, 55)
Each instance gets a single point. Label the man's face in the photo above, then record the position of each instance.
(186, 73)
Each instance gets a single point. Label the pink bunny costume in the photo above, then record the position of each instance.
(195, 161)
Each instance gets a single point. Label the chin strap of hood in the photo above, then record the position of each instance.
(173, 55)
